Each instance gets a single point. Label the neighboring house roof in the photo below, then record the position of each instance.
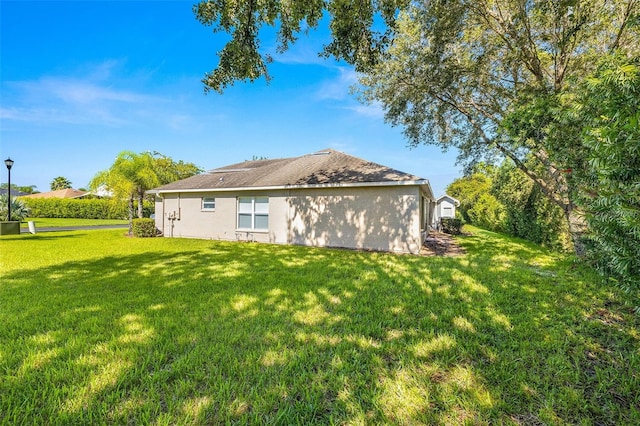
(455, 201)
(61, 193)
(14, 193)
(324, 168)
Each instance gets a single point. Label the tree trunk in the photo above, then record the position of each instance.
(140, 204)
(577, 228)
(130, 214)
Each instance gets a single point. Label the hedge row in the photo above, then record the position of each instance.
(81, 208)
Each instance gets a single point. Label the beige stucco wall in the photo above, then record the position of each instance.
(375, 218)
(191, 221)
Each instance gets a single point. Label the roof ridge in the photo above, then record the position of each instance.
(324, 167)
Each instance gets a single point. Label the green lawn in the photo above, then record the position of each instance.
(99, 328)
(61, 222)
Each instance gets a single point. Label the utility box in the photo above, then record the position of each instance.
(10, 228)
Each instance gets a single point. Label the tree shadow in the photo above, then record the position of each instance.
(248, 333)
(385, 221)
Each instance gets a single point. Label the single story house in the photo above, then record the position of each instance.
(445, 208)
(326, 199)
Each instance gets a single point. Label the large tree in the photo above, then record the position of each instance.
(484, 76)
(490, 77)
(169, 170)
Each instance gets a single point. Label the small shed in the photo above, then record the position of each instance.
(445, 208)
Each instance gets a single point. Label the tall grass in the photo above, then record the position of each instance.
(100, 328)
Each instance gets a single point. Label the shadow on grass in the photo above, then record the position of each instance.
(269, 334)
(52, 236)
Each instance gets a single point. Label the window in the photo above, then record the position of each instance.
(208, 203)
(253, 213)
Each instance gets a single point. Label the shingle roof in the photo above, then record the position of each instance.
(14, 192)
(326, 167)
(60, 193)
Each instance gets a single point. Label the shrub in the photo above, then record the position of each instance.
(18, 208)
(451, 225)
(144, 228)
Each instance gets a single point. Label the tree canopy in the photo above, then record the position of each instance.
(60, 182)
(358, 37)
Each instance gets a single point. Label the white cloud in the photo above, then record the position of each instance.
(95, 97)
(338, 88)
(373, 110)
(302, 54)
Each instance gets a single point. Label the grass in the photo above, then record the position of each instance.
(100, 328)
(62, 222)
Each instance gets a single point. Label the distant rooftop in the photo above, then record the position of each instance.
(61, 193)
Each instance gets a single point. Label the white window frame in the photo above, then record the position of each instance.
(204, 202)
(253, 213)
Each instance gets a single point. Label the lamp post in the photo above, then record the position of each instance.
(9, 164)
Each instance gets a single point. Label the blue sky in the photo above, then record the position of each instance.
(83, 80)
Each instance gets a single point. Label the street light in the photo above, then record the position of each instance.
(9, 163)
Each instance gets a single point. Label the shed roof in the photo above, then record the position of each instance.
(454, 200)
(323, 168)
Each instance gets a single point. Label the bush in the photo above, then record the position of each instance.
(451, 225)
(81, 208)
(18, 208)
(144, 228)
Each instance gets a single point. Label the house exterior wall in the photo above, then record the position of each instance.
(181, 215)
(383, 218)
(373, 218)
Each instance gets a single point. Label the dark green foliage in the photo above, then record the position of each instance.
(451, 225)
(80, 208)
(611, 196)
(145, 227)
(357, 36)
(528, 213)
